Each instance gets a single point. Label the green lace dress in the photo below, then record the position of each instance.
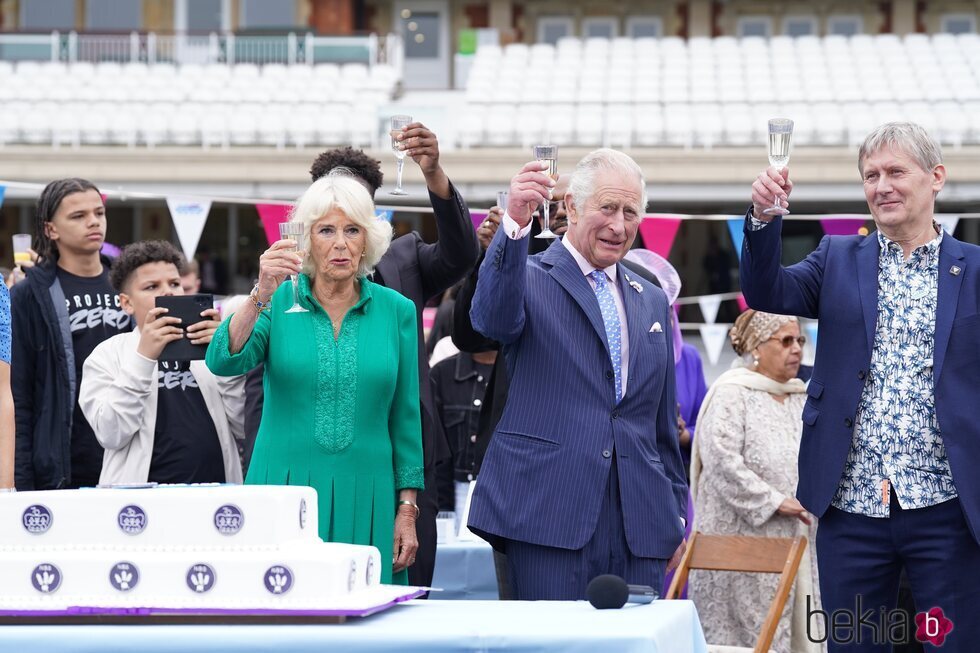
(340, 415)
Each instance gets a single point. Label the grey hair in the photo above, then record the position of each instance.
(908, 137)
(582, 185)
(348, 195)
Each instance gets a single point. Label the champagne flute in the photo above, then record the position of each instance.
(547, 154)
(294, 231)
(780, 138)
(502, 200)
(399, 123)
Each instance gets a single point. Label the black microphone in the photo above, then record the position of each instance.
(609, 591)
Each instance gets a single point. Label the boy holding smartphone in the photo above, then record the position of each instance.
(164, 421)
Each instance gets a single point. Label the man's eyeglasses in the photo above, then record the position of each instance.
(787, 341)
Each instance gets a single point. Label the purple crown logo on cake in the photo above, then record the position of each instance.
(352, 576)
(278, 579)
(132, 520)
(302, 513)
(46, 578)
(369, 574)
(228, 519)
(200, 578)
(37, 519)
(124, 576)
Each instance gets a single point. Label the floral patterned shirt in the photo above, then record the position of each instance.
(896, 435)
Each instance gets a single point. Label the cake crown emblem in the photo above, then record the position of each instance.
(228, 519)
(37, 519)
(132, 520)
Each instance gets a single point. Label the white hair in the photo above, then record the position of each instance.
(582, 185)
(349, 196)
(908, 137)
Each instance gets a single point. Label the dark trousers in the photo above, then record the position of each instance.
(425, 530)
(861, 559)
(544, 573)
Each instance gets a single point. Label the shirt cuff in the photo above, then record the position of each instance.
(514, 230)
(755, 224)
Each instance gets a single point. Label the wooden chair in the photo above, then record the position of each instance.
(744, 554)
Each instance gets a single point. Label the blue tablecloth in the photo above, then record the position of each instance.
(464, 570)
(417, 626)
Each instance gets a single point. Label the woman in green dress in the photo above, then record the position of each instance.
(341, 409)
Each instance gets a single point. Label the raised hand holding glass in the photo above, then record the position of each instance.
(780, 139)
(398, 123)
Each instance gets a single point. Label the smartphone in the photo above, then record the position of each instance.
(188, 308)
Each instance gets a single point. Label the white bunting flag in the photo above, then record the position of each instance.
(810, 328)
(709, 307)
(947, 222)
(189, 216)
(714, 336)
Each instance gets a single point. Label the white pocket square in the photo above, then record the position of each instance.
(656, 328)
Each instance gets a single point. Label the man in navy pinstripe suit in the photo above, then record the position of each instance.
(583, 475)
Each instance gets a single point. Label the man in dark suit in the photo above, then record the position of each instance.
(583, 475)
(419, 271)
(891, 443)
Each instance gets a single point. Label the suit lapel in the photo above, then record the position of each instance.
(388, 269)
(567, 273)
(950, 254)
(633, 304)
(867, 270)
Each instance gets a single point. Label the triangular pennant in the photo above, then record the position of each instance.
(709, 307)
(384, 215)
(947, 222)
(658, 233)
(477, 217)
(189, 216)
(842, 226)
(3, 189)
(742, 304)
(735, 230)
(811, 333)
(271, 215)
(714, 337)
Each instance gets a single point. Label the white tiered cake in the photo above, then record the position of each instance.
(235, 548)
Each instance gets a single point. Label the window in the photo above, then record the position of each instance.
(421, 35)
(202, 15)
(754, 26)
(602, 27)
(958, 23)
(552, 28)
(114, 15)
(46, 15)
(638, 27)
(268, 14)
(845, 25)
(799, 25)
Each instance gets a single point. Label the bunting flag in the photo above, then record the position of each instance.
(948, 222)
(189, 216)
(272, 215)
(714, 337)
(709, 307)
(477, 217)
(384, 215)
(2, 191)
(845, 227)
(810, 328)
(742, 304)
(658, 233)
(736, 231)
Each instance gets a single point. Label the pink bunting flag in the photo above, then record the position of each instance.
(477, 217)
(272, 215)
(842, 227)
(658, 233)
(742, 304)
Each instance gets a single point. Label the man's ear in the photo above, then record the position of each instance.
(571, 211)
(126, 303)
(50, 230)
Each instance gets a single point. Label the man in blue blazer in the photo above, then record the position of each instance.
(583, 475)
(891, 439)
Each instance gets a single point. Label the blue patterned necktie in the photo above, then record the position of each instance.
(610, 317)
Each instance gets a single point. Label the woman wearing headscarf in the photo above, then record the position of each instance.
(743, 480)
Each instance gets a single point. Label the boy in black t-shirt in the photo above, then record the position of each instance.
(159, 420)
(60, 312)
